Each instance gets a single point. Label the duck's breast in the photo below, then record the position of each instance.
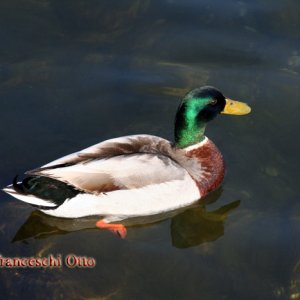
(211, 165)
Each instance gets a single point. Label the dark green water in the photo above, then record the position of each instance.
(73, 73)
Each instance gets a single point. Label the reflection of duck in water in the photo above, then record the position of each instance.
(137, 175)
(196, 226)
(189, 227)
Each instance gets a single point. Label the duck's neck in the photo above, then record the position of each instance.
(188, 129)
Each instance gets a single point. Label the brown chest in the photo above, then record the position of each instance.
(212, 167)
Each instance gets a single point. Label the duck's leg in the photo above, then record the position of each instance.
(118, 229)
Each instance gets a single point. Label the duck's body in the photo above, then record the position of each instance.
(127, 177)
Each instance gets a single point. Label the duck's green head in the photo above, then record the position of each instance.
(197, 108)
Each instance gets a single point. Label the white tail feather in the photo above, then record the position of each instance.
(31, 199)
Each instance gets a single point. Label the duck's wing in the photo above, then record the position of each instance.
(141, 143)
(123, 163)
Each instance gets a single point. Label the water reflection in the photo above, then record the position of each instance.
(189, 227)
(295, 282)
(196, 226)
(40, 226)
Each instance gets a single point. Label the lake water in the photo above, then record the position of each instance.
(73, 73)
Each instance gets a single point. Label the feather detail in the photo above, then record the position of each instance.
(124, 145)
(119, 172)
(122, 204)
(122, 163)
(28, 198)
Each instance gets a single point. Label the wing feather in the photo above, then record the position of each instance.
(119, 172)
(123, 163)
(119, 146)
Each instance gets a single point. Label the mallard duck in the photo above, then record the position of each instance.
(136, 175)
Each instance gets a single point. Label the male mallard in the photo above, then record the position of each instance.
(135, 175)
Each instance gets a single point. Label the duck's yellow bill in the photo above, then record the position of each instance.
(233, 107)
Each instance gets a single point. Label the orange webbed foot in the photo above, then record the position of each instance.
(117, 229)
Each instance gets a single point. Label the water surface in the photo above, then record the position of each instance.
(73, 73)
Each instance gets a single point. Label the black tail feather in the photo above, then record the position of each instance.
(45, 188)
(19, 187)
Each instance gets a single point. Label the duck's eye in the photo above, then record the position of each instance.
(214, 102)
